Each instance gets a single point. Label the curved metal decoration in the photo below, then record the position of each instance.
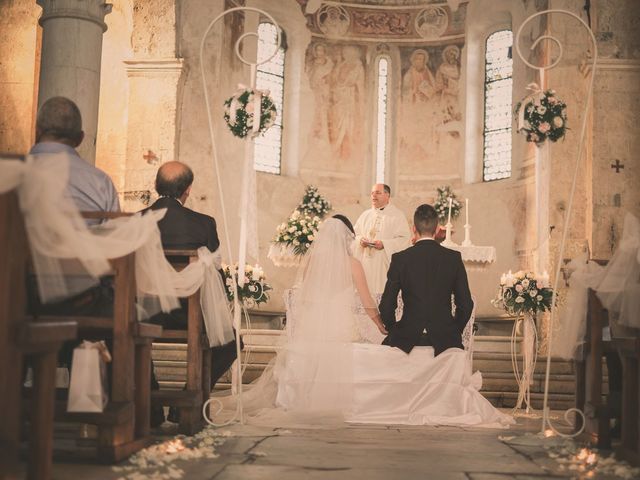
(546, 421)
(239, 415)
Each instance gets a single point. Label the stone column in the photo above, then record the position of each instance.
(71, 56)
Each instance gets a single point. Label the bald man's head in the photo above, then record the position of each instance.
(173, 180)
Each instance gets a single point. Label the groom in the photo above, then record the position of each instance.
(427, 274)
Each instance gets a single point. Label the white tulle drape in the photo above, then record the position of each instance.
(69, 257)
(317, 373)
(617, 285)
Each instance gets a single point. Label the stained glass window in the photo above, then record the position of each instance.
(381, 121)
(498, 85)
(270, 76)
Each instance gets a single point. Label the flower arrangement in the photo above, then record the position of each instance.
(239, 112)
(255, 288)
(442, 204)
(524, 292)
(298, 231)
(544, 118)
(313, 203)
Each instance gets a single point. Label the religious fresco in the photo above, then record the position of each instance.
(429, 113)
(336, 74)
(427, 21)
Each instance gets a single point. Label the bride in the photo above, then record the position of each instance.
(322, 374)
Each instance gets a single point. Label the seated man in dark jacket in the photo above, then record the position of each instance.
(182, 228)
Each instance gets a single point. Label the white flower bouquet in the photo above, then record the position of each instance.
(441, 204)
(239, 112)
(255, 288)
(313, 203)
(545, 118)
(524, 292)
(298, 232)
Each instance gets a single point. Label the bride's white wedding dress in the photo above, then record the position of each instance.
(333, 369)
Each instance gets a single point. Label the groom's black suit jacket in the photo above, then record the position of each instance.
(427, 274)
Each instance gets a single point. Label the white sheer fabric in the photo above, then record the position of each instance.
(617, 285)
(69, 257)
(316, 375)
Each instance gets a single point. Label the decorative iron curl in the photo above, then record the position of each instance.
(546, 421)
(237, 306)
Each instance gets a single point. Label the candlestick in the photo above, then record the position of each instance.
(449, 219)
(466, 211)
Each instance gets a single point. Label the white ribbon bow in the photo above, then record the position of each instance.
(257, 106)
(534, 97)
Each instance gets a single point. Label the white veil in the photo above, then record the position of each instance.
(311, 379)
(317, 373)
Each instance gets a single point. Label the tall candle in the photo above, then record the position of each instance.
(449, 219)
(466, 211)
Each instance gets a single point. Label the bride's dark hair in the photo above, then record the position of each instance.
(346, 221)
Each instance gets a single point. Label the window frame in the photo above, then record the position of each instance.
(509, 129)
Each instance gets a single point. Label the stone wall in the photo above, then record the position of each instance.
(19, 63)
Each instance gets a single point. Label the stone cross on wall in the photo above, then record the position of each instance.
(618, 166)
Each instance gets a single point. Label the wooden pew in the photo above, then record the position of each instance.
(123, 426)
(21, 337)
(198, 383)
(629, 350)
(590, 376)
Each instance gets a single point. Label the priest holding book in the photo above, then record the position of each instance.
(381, 231)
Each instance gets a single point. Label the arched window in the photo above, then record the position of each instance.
(270, 76)
(382, 108)
(498, 83)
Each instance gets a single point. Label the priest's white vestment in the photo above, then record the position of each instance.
(389, 225)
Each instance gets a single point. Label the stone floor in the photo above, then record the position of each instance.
(350, 452)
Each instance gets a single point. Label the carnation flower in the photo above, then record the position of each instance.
(544, 127)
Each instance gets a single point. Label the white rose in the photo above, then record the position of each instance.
(539, 298)
(292, 229)
(533, 293)
(558, 122)
(525, 283)
(296, 242)
(541, 110)
(519, 299)
(519, 288)
(311, 237)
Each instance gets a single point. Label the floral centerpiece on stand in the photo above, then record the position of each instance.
(524, 295)
(255, 288)
(298, 231)
(542, 116)
(524, 292)
(295, 236)
(313, 203)
(442, 204)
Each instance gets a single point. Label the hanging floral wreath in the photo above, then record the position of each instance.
(442, 204)
(542, 116)
(240, 111)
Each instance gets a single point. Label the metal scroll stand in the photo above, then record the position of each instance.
(546, 421)
(248, 183)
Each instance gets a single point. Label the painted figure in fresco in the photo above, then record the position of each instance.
(319, 68)
(346, 106)
(418, 84)
(448, 83)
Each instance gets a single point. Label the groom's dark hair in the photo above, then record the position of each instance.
(346, 221)
(425, 219)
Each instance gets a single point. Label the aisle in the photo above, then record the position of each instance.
(352, 452)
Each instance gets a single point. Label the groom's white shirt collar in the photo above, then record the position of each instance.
(424, 238)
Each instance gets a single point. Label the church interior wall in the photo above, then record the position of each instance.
(152, 110)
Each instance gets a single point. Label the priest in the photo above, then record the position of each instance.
(381, 231)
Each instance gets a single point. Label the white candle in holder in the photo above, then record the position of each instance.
(449, 219)
(466, 208)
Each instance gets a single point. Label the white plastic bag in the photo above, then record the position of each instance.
(88, 387)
